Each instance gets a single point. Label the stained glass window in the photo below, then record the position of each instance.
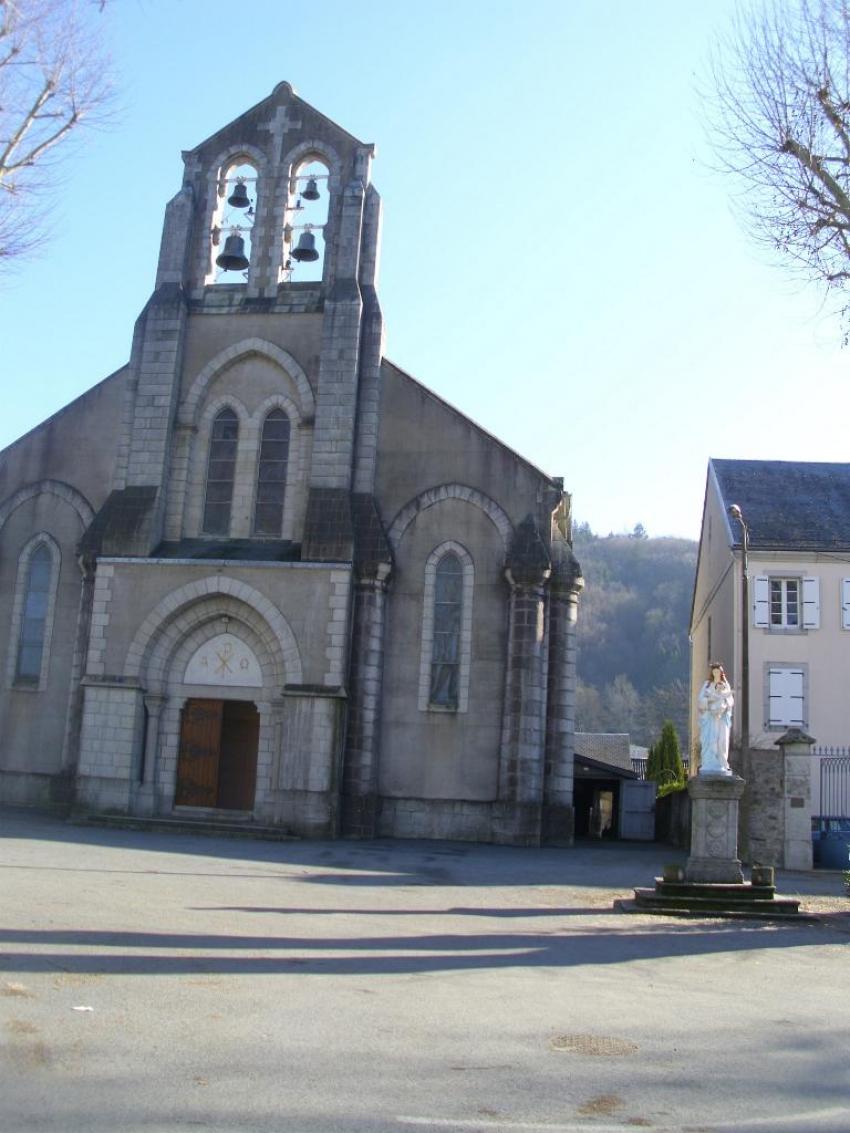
(34, 617)
(271, 474)
(221, 470)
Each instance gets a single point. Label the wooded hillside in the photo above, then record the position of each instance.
(633, 633)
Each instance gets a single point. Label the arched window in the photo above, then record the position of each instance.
(446, 656)
(445, 645)
(271, 474)
(34, 613)
(221, 469)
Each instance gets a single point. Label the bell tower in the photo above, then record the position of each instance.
(273, 237)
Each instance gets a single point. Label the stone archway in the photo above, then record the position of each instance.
(213, 669)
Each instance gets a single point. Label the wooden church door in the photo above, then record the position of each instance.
(197, 764)
(217, 764)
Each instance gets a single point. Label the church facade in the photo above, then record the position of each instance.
(262, 574)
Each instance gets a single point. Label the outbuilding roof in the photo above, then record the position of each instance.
(787, 504)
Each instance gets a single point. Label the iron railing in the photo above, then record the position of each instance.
(639, 766)
(834, 781)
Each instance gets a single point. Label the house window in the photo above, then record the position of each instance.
(35, 609)
(271, 474)
(221, 469)
(446, 630)
(786, 696)
(786, 604)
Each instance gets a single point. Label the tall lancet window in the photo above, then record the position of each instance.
(36, 600)
(271, 474)
(221, 469)
(445, 648)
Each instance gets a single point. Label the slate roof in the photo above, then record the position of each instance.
(787, 504)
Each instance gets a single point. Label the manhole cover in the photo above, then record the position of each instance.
(601, 1045)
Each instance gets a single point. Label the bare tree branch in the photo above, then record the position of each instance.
(779, 123)
(53, 79)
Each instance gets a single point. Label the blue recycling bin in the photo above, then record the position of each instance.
(831, 842)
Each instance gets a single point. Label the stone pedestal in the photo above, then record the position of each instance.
(796, 748)
(714, 829)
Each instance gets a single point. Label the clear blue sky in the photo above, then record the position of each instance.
(557, 260)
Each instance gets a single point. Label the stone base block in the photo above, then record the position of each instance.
(359, 816)
(450, 819)
(558, 825)
(714, 829)
(101, 793)
(32, 789)
(722, 870)
(144, 801)
(517, 824)
(308, 814)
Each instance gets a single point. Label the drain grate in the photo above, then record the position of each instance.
(598, 1045)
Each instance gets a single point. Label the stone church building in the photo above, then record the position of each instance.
(263, 575)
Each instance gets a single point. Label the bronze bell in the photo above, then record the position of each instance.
(311, 193)
(233, 257)
(238, 199)
(305, 252)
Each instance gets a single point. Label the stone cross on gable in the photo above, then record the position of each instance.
(282, 122)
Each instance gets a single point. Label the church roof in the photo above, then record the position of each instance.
(788, 505)
(233, 550)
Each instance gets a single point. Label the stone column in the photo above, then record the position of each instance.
(518, 812)
(714, 829)
(144, 801)
(796, 748)
(565, 586)
(360, 767)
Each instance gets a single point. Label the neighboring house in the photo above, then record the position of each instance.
(798, 516)
(261, 573)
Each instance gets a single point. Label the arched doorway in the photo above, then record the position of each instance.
(217, 758)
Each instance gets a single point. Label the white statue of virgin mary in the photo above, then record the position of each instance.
(715, 703)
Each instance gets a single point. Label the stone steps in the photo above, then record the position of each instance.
(744, 900)
(219, 828)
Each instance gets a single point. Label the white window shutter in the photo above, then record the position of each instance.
(811, 603)
(785, 693)
(761, 606)
(845, 603)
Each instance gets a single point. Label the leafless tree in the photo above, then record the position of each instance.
(779, 121)
(53, 79)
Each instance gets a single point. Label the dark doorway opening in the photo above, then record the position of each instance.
(217, 763)
(597, 808)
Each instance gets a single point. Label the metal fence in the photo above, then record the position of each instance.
(639, 766)
(834, 781)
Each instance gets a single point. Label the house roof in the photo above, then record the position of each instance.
(586, 768)
(787, 504)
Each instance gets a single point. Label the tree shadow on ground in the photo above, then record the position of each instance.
(592, 945)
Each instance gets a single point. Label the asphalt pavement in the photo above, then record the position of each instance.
(162, 982)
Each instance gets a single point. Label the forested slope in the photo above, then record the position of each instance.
(633, 633)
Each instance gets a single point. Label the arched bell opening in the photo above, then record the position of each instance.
(306, 217)
(233, 223)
